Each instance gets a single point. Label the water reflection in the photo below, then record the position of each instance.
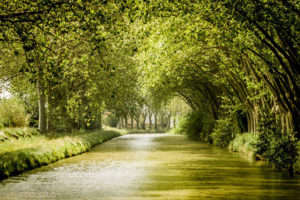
(153, 166)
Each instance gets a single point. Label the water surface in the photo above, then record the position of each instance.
(153, 166)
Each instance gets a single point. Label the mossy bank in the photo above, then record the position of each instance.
(24, 149)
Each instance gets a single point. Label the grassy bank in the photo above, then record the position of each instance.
(23, 149)
(244, 143)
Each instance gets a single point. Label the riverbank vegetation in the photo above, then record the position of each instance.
(25, 149)
(225, 68)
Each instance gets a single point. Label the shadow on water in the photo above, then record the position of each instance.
(153, 166)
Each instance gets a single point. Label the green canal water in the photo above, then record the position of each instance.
(153, 166)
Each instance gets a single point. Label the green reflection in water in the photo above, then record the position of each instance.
(153, 166)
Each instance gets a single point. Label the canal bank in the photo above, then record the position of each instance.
(24, 149)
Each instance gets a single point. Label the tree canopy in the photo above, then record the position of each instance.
(71, 60)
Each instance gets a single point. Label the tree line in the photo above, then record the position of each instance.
(68, 62)
(232, 60)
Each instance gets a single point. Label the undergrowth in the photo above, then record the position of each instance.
(197, 125)
(245, 142)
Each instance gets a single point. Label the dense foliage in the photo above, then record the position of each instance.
(111, 120)
(279, 148)
(191, 125)
(232, 62)
(12, 113)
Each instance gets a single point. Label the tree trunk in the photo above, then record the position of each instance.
(248, 122)
(155, 121)
(131, 122)
(252, 120)
(47, 112)
(144, 121)
(100, 120)
(42, 109)
(162, 121)
(126, 121)
(150, 122)
(121, 122)
(282, 120)
(138, 121)
(169, 122)
(255, 119)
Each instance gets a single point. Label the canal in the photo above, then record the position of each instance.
(153, 166)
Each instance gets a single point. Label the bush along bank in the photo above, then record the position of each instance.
(24, 149)
(269, 143)
(245, 143)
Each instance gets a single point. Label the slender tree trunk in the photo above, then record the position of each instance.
(174, 122)
(100, 120)
(283, 125)
(290, 121)
(256, 113)
(252, 121)
(150, 121)
(144, 121)
(155, 121)
(162, 121)
(131, 122)
(138, 121)
(126, 121)
(42, 109)
(121, 122)
(248, 122)
(47, 112)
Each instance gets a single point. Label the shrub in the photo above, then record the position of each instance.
(277, 147)
(225, 130)
(245, 142)
(12, 113)
(196, 125)
(279, 150)
(283, 152)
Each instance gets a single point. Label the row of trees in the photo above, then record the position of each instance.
(229, 58)
(70, 61)
(78, 58)
(234, 62)
(149, 115)
(66, 59)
